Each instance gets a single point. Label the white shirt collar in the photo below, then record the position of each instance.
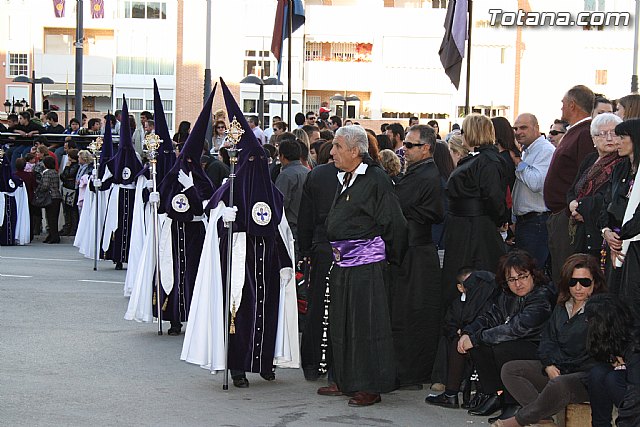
(578, 122)
(360, 170)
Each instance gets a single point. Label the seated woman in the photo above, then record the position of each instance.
(510, 330)
(544, 387)
(613, 341)
(478, 291)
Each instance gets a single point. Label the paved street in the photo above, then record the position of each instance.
(67, 357)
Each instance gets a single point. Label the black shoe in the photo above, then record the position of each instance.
(46, 240)
(478, 400)
(268, 376)
(311, 373)
(174, 330)
(465, 388)
(54, 241)
(507, 412)
(241, 382)
(443, 400)
(118, 266)
(492, 404)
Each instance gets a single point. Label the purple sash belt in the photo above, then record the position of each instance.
(351, 253)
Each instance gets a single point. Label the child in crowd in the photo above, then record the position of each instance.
(477, 292)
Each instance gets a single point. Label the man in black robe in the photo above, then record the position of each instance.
(416, 296)
(367, 231)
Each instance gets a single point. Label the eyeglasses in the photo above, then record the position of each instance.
(410, 145)
(518, 278)
(555, 132)
(311, 118)
(221, 127)
(607, 134)
(585, 282)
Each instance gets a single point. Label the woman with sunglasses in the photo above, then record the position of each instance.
(476, 192)
(509, 330)
(220, 135)
(544, 387)
(586, 195)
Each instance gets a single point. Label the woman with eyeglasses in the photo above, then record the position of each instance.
(476, 192)
(509, 330)
(586, 195)
(220, 136)
(546, 386)
(618, 222)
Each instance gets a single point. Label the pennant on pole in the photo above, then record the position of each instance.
(452, 48)
(280, 28)
(58, 8)
(97, 9)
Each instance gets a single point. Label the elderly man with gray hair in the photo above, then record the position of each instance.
(367, 232)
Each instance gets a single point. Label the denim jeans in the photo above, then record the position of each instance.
(531, 236)
(606, 389)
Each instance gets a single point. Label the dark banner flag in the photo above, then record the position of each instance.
(452, 48)
(58, 8)
(280, 28)
(97, 9)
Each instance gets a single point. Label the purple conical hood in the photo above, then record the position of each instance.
(125, 164)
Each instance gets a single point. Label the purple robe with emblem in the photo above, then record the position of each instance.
(9, 183)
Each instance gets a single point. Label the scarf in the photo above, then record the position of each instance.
(597, 175)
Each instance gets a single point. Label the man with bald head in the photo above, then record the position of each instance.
(529, 207)
(576, 144)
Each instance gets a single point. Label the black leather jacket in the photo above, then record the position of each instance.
(513, 318)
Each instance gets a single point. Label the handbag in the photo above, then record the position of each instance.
(42, 197)
(68, 196)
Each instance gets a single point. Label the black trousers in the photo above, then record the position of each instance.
(489, 360)
(53, 211)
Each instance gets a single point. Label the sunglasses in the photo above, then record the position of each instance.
(311, 118)
(410, 145)
(585, 282)
(555, 132)
(221, 127)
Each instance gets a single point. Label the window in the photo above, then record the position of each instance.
(18, 64)
(313, 51)
(143, 10)
(134, 104)
(439, 4)
(313, 103)
(144, 65)
(601, 77)
(258, 62)
(167, 105)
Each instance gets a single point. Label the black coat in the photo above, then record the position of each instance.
(629, 410)
(513, 318)
(564, 342)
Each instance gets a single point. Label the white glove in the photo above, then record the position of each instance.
(154, 197)
(229, 214)
(94, 173)
(185, 180)
(149, 184)
(286, 274)
(97, 183)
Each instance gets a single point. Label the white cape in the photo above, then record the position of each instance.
(632, 205)
(139, 229)
(204, 338)
(85, 239)
(23, 224)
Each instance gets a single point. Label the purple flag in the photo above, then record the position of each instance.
(452, 48)
(97, 9)
(58, 8)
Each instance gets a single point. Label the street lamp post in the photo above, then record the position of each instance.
(33, 81)
(253, 79)
(344, 100)
(7, 106)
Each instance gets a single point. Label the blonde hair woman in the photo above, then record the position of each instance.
(476, 191)
(457, 149)
(390, 162)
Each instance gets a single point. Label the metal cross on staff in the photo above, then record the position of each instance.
(95, 146)
(234, 134)
(152, 144)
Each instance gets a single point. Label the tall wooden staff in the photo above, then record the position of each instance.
(95, 147)
(233, 137)
(152, 143)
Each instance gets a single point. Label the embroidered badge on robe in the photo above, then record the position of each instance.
(180, 203)
(261, 213)
(12, 184)
(126, 173)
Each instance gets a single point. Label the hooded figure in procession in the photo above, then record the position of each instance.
(14, 207)
(122, 171)
(263, 309)
(99, 187)
(184, 192)
(141, 267)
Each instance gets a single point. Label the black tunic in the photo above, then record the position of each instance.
(476, 192)
(317, 197)
(416, 294)
(362, 344)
